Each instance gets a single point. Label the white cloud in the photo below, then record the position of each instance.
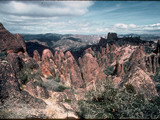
(132, 25)
(47, 8)
(132, 28)
(121, 25)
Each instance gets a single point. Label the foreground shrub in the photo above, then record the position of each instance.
(107, 102)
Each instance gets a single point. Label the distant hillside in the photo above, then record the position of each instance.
(64, 42)
(147, 37)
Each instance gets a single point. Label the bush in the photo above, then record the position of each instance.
(3, 54)
(27, 74)
(117, 104)
(68, 100)
(109, 70)
(61, 88)
(130, 88)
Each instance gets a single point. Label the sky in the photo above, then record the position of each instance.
(81, 17)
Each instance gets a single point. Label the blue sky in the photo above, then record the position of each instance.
(81, 17)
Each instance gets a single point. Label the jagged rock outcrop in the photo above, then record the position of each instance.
(138, 54)
(31, 88)
(157, 51)
(16, 62)
(48, 65)
(59, 58)
(9, 85)
(138, 58)
(119, 69)
(112, 36)
(37, 91)
(42, 92)
(152, 63)
(107, 48)
(21, 41)
(91, 71)
(141, 81)
(89, 50)
(71, 71)
(36, 56)
(9, 42)
(108, 55)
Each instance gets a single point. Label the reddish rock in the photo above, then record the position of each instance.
(42, 92)
(37, 91)
(36, 56)
(113, 48)
(91, 71)
(9, 85)
(71, 71)
(117, 81)
(59, 58)
(119, 69)
(21, 41)
(48, 65)
(32, 101)
(31, 88)
(9, 42)
(141, 81)
(102, 50)
(80, 61)
(107, 48)
(138, 54)
(16, 62)
(89, 50)
(138, 58)
(152, 62)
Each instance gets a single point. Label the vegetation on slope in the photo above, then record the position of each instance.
(108, 102)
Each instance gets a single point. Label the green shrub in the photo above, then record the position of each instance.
(68, 100)
(130, 88)
(61, 88)
(49, 77)
(109, 70)
(117, 104)
(3, 54)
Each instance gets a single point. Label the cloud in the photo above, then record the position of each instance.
(132, 25)
(121, 25)
(128, 28)
(45, 9)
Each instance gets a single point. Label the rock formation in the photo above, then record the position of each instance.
(9, 42)
(141, 81)
(112, 36)
(21, 41)
(48, 65)
(37, 91)
(157, 50)
(72, 72)
(89, 50)
(91, 71)
(36, 56)
(9, 85)
(16, 62)
(119, 69)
